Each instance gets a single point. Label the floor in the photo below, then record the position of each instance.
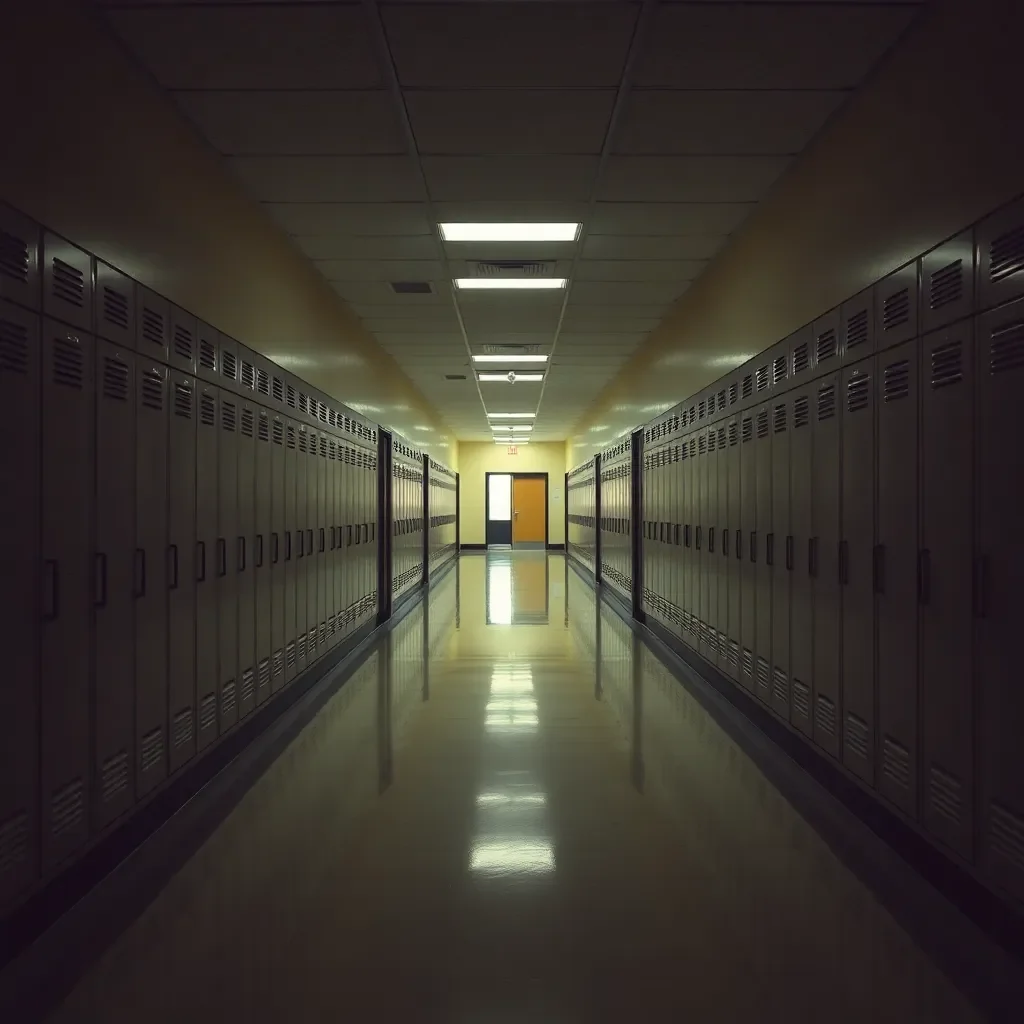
(512, 812)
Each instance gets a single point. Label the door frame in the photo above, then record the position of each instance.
(534, 476)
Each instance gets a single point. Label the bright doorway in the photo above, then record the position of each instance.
(517, 510)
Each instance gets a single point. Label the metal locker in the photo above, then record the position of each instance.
(748, 544)
(264, 376)
(721, 556)
(332, 626)
(67, 592)
(19, 544)
(801, 355)
(896, 302)
(858, 558)
(824, 561)
(207, 353)
(228, 350)
(860, 319)
(115, 306)
(692, 582)
(801, 631)
(1000, 256)
(246, 371)
(152, 318)
(181, 531)
(114, 586)
(344, 535)
(225, 561)
(243, 548)
(896, 574)
(779, 556)
(183, 340)
(262, 554)
(825, 355)
(709, 541)
(290, 551)
(278, 574)
(704, 444)
(673, 568)
(312, 556)
(206, 576)
(339, 539)
(646, 544)
(682, 576)
(947, 282)
(321, 541)
(67, 282)
(151, 490)
(20, 239)
(301, 559)
(779, 363)
(998, 576)
(760, 553)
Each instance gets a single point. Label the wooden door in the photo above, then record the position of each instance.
(529, 505)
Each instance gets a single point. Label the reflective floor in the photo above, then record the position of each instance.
(513, 813)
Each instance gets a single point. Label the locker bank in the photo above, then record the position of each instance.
(284, 732)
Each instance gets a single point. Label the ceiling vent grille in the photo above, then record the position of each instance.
(411, 287)
(511, 350)
(515, 268)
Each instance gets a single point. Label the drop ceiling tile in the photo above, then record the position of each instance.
(700, 179)
(614, 293)
(310, 218)
(653, 218)
(375, 293)
(461, 252)
(574, 341)
(287, 46)
(520, 211)
(369, 247)
(505, 122)
(441, 343)
(767, 46)
(594, 324)
(479, 320)
(499, 303)
(383, 270)
(328, 179)
(652, 247)
(509, 45)
(723, 122)
(638, 270)
(478, 339)
(518, 178)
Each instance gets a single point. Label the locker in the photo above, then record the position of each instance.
(748, 557)
(183, 340)
(246, 372)
(858, 570)
(339, 540)
(67, 282)
(649, 514)
(115, 306)
(243, 557)
(278, 566)
(801, 355)
(779, 556)
(896, 566)
(321, 546)
(1000, 256)
(801, 632)
(301, 559)
(825, 356)
(896, 308)
(19, 543)
(691, 572)
(20, 239)
(182, 569)
(114, 585)
(290, 538)
(721, 556)
(733, 548)
(208, 583)
(999, 572)
(706, 441)
(311, 549)
(228, 349)
(710, 540)
(226, 568)
(152, 316)
(264, 374)
(66, 588)
(779, 364)
(761, 553)
(151, 576)
(345, 499)
(861, 317)
(824, 561)
(674, 582)
(947, 282)
(262, 555)
(207, 353)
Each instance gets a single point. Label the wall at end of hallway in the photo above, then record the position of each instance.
(477, 458)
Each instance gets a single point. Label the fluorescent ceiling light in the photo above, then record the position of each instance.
(517, 428)
(510, 359)
(520, 283)
(509, 232)
(511, 415)
(511, 440)
(527, 378)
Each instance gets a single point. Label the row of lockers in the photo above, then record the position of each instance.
(408, 524)
(615, 525)
(581, 514)
(441, 527)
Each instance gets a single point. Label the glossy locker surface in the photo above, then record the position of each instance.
(514, 822)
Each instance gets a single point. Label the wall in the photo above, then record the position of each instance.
(479, 458)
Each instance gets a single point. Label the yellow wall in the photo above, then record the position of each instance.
(476, 458)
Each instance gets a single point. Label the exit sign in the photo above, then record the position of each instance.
(513, 449)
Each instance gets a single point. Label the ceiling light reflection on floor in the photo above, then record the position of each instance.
(511, 855)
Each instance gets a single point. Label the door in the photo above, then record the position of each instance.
(207, 583)
(529, 505)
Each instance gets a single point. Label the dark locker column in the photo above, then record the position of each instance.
(733, 547)
(322, 547)
(114, 584)
(151, 443)
(761, 554)
(301, 559)
(721, 555)
(262, 554)
(224, 560)
(802, 581)
(780, 553)
(858, 570)
(289, 550)
(946, 585)
(243, 556)
(345, 539)
(66, 598)
(896, 563)
(700, 493)
(333, 626)
(19, 475)
(824, 558)
(277, 553)
(687, 476)
(207, 583)
(649, 513)
(998, 601)
(674, 513)
(748, 557)
(311, 548)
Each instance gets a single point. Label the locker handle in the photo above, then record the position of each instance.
(769, 549)
(812, 557)
(51, 588)
(366, 533)
(675, 534)
(100, 576)
(789, 553)
(878, 568)
(259, 550)
(287, 545)
(686, 535)
(222, 556)
(172, 566)
(298, 543)
(753, 545)
(323, 542)
(275, 549)
(332, 538)
(924, 576)
(241, 554)
(844, 568)
(309, 541)
(200, 561)
(348, 543)
(739, 544)
(697, 538)
(981, 584)
(725, 543)
(711, 540)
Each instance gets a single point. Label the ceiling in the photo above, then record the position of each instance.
(657, 126)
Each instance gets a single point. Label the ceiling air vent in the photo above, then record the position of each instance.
(514, 268)
(411, 287)
(511, 350)
(454, 376)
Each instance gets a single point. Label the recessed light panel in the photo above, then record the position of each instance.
(509, 232)
(510, 378)
(510, 359)
(509, 283)
(511, 415)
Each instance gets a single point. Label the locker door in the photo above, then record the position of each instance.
(704, 495)
(181, 596)
(243, 556)
(263, 554)
(721, 556)
(224, 561)
(824, 555)
(946, 585)
(207, 596)
(779, 546)
(1000, 570)
(277, 554)
(322, 547)
(747, 561)
(734, 548)
(333, 633)
(712, 541)
(113, 598)
(290, 553)
(896, 579)
(646, 544)
(301, 559)
(762, 569)
(19, 549)
(692, 581)
(66, 550)
(151, 576)
(341, 583)
(153, 320)
(312, 549)
(673, 569)
(801, 580)
(857, 556)
(651, 542)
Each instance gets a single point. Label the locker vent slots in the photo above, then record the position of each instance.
(68, 283)
(896, 309)
(896, 384)
(14, 257)
(947, 364)
(182, 342)
(857, 325)
(115, 379)
(67, 363)
(1007, 348)
(153, 389)
(13, 347)
(946, 285)
(152, 326)
(115, 307)
(1006, 254)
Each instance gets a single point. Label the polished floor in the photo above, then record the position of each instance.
(513, 813)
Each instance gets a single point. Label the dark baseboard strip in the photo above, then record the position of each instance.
(473, 547)
(556, 547)
(974, 938)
